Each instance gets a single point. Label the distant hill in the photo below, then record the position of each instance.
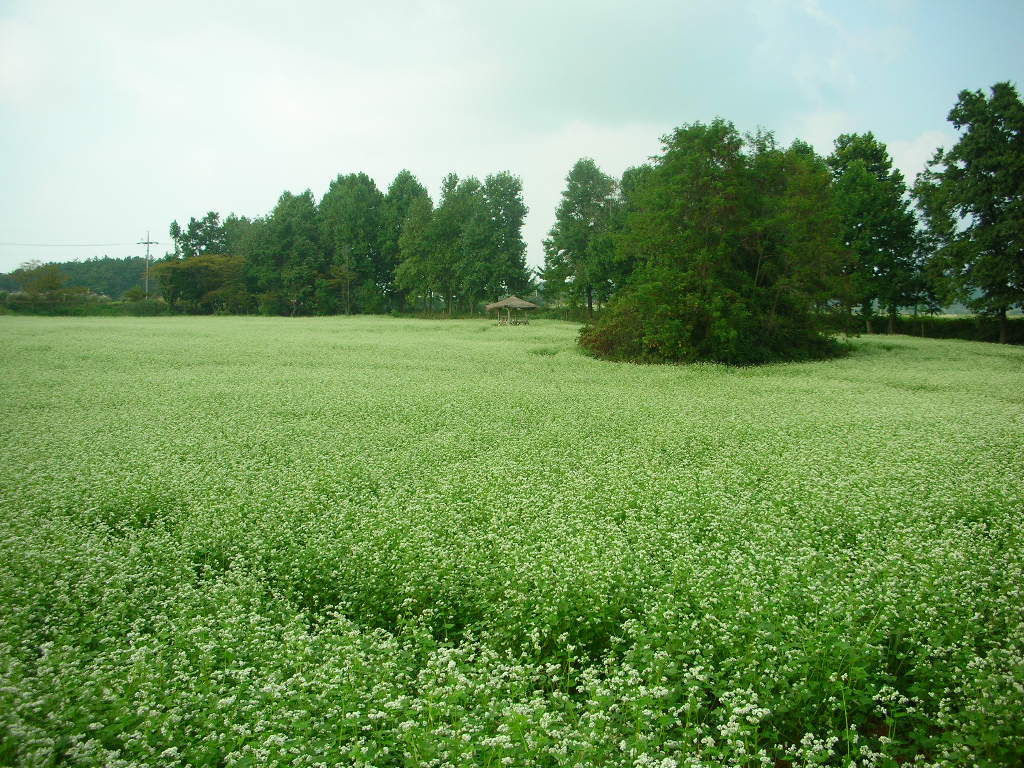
(106, 275)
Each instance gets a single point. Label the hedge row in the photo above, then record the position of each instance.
(968, 327)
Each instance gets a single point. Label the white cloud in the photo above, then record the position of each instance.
(545, 160)
(819, 129)
(911, 155)
(117, 117)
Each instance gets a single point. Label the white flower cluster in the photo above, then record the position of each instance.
(381, 542)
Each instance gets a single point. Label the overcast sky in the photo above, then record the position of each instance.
(118, 117)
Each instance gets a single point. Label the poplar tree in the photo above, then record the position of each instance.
(578, 252)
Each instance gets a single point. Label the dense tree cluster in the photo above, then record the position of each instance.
(738, 253)
(357, 250)
(725, 247)
(734, 249)
(104, 275)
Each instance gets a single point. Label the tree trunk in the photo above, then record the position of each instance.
(892, 321)
(1003, 326)
(590, 302)
(865, 311)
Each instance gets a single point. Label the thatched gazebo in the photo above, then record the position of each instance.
(512, 303)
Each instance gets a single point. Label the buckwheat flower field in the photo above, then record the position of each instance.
(384, 542)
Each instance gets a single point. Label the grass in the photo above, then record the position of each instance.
(374, 541)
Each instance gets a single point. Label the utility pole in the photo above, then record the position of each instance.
(147, 242)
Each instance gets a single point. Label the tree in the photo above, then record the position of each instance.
(451, 258)
(402, 193)
(738, 252)
(416, 274)
(503, 199)
(47, 283)
(493, 259)
(578, 248)
(205, 283)
(38, 279)
(972, 198)
(878, 223)
(205, 235)
(283, 255)
(350, 218)
(631, 185)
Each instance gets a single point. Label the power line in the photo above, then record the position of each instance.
(65, 245)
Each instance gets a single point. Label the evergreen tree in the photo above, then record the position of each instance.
(972, 198)
(452, 261)
(205, 235)
(494, 254)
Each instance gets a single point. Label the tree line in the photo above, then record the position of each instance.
(729, 247)
(356, 250)
(725, 247)
(111, 277)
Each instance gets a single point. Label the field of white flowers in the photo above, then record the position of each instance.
(384, 542)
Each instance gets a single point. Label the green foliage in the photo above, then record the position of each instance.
(283, 256)
(38, 279)
(100, 275)
(350, 219)
(972, 198)
(205, 284)
(202, 236)
(737, 242)
(455, 233)
(401, 196)
(351, 253)
(578, 252)
(416, 274)
(878, 226)
(978, 328)
(244, 540)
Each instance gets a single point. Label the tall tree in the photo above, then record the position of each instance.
(738, 243)
(205, 235)
(397, 204)
(879, 225)
(284, 257)
(503, 196)
(416, 274)
(578, 250)
(494, 254)
(972, 198)
(624, 262)
(452, 259)
(351, 226)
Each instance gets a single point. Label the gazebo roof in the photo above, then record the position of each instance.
(512, 302)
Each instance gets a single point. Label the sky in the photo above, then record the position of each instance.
(118, 117)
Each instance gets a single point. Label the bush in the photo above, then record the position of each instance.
(643, 331)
